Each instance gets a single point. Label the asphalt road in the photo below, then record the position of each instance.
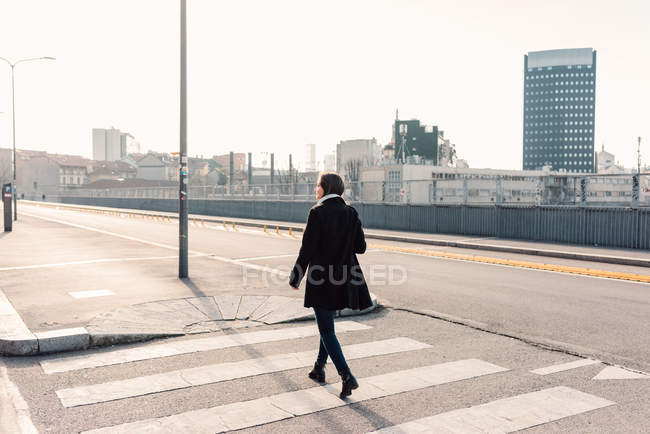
(71, 251)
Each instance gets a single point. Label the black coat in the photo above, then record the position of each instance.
(330, 242)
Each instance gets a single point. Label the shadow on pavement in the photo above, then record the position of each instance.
(187, 281)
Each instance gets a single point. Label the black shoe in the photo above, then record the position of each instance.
(349, 384)
(318, 373)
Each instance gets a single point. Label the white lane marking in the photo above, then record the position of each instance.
(259, 258)
(509, 414)
(90, 294)
(260, 411)
(14, 412)
(90, 261)
(565, 366)
(167, 246)
(146, 352)
(209, 374)
(616, 373)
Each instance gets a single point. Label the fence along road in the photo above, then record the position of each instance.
(624, 227)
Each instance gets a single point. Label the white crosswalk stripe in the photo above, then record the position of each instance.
(113, 357)
(507, 415)
(565, 366)
(247, 414)
(222, 372)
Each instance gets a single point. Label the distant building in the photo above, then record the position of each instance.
(357, 153)
(239, 159)
(111, 170)
(73, 169)
(559, 110)
(158, 167)
(108, 144)
(446, 151)
(310, 160)
(128, 144)
(199, 169)
(329, 162)
(239, 165)
(42, 173)
(605, 160)
(412, 139)
(261, 175)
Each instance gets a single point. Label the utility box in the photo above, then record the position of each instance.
(6, 200)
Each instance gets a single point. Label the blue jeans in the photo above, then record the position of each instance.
(329, 344)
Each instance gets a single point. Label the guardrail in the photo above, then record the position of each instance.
(610, 226)
(587, 190)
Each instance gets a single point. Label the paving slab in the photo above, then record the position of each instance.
(273, 303)
(228, 305)
(208, 306)
(293, 310)
(248, 304)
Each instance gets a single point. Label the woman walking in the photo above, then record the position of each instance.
(327, 257)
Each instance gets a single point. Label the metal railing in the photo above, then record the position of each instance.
(596, 190)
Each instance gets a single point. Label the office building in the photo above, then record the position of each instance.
(329, 162)
(310, 160)
(415, 141)
(108, 144)
(352, 154)
(559, 110)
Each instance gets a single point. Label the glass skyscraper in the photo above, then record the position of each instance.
(559, 114)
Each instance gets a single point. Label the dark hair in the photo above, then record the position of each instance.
(331, 183)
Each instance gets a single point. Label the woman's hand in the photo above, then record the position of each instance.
(295, 288)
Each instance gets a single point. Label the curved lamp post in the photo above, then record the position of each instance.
(13, 109)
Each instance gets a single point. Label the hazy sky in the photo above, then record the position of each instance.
(274, 75)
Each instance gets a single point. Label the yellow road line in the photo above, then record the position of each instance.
(523, 264)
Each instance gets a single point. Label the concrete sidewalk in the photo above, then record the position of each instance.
(640, 258)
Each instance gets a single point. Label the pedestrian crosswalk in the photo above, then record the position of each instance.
(416, 374)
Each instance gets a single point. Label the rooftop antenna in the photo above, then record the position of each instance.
(638, 155)
(401, 132)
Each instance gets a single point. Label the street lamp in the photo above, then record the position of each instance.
(13, 129)
(183, 271)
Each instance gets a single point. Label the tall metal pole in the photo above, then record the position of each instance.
(183, 196)
(272, 167)
(250, 170)
(13, 133)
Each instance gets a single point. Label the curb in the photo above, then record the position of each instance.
(618, 260)
(104, 330)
